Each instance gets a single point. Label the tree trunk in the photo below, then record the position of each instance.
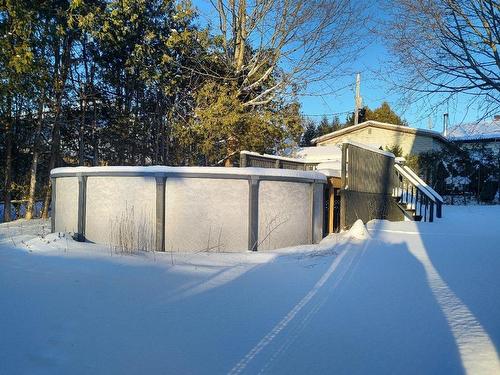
(81, 146)
(157, 134)
(59, 84)
(95, 138)
(165, 142)
(9, 139)
(239, 51)
(54, 156)
(231, 151)
(30, 209)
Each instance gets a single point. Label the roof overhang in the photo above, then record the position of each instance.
(481, 139)
(380, 125)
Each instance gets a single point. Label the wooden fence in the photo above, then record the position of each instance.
(248, 159)
(367, 185)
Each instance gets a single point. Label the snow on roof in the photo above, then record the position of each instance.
(269, 156)
(320, 154)
(370, 148)
(475, 131)
(330, 169)
(328, 158)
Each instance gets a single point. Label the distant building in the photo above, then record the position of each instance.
(474, 135)
(382, 135)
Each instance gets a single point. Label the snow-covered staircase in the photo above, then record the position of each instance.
(417, 200)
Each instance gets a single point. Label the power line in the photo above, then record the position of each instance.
(327, 114)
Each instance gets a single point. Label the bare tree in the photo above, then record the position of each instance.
(37, 139)
(447, 47)
(273, 45)
(62, 64)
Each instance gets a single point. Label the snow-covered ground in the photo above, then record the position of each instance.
(402, 298)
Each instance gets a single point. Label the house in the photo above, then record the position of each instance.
(383, 135)
(471, 136)
(363, 182)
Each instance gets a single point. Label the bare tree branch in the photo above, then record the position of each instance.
(447, 47)
(274, 44)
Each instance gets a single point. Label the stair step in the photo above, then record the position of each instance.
(412, 212)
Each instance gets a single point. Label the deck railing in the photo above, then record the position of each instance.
(415, 194)
(251, 159)
(439, 199)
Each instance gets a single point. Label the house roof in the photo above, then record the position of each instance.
(381, 125)
(477, 131)
(320, 154)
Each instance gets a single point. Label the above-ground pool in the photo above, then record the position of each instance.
(188, 209)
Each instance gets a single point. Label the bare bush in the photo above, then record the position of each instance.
(218, 247)
(131, 232)
(272, 223)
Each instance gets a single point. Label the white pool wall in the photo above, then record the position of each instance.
(66, 205)
(204, 214)
(199, 208)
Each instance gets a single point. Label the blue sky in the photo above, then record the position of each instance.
(375, 89)
(337, 95)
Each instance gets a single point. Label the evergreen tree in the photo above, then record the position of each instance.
(310, 132)
(396, 149)
(16, 72)
(336, 125)
(384, 113)
(324, 126)
(361, 117)
(222, 126)
(131, 82)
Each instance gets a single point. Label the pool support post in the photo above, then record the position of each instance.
(253, 213)
(82, 204)
(160, 212)
(53, 205)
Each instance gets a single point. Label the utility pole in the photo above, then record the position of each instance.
(357, 99)
(445, 124)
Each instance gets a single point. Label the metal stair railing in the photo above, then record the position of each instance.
(413, 194)
(434, 193)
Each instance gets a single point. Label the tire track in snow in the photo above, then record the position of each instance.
(278, 328)
(348, 271)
